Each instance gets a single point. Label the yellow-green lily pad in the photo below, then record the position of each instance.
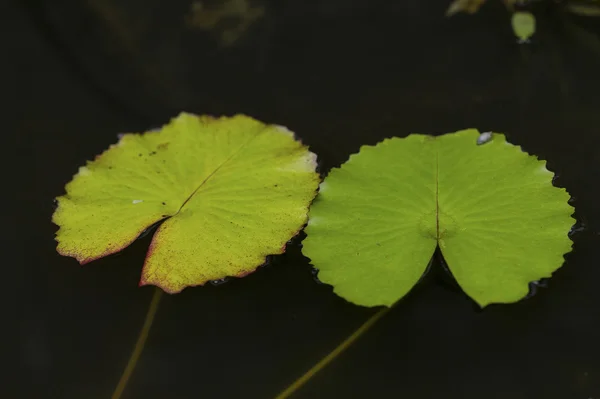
(230, 191)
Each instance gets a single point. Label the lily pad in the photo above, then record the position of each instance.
(490, 207)
(229, 190)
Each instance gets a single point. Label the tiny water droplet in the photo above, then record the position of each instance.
(146, 232)
(445, 276)
(532, 291)
(543, 282)
(427, 269)
(571, 200)
(576, 229)
(319, 167)
(268, 261)
(444, 264)
(314, 271)
(555, 179)
(149, 229)
(220, 281)
(534, 285)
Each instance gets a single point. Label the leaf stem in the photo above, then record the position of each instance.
(139, 345)
(290, 390)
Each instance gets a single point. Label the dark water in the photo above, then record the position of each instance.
(341, 74)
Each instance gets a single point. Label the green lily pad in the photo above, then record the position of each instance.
(489, 206)
(230, 191)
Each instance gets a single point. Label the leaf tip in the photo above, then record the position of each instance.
(77, 255)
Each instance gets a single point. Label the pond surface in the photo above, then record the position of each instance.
(340, 74)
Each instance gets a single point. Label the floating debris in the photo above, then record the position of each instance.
(523, 25)
(484, 137)
(467, 6)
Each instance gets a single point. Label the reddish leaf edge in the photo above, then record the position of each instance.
(250, 270)
(83, 260)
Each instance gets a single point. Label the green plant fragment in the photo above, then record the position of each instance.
(523, 25)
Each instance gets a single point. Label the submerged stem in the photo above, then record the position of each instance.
(139, 345)
(333, 354)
